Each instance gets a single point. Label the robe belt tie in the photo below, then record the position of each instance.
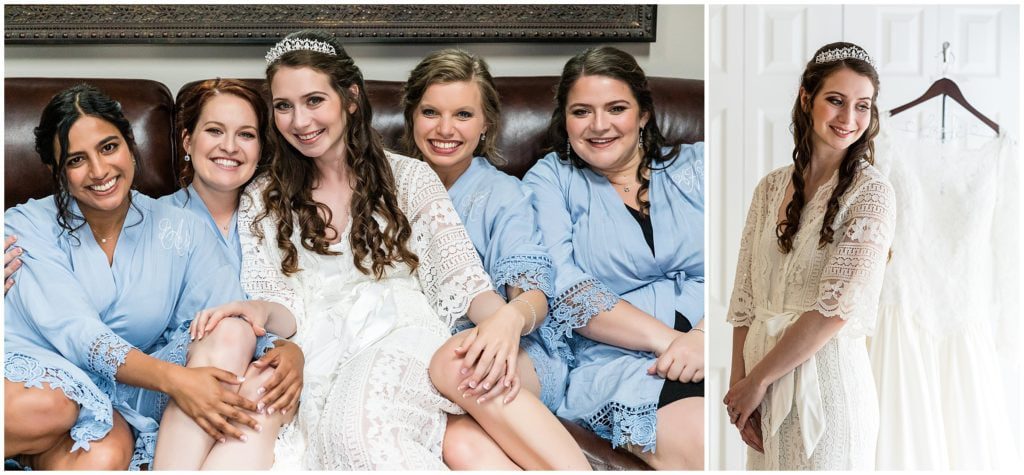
(799, 386)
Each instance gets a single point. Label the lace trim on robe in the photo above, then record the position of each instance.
(527, 272)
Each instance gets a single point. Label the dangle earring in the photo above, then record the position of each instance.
(483, 136)
(640, 144)
(187, 157)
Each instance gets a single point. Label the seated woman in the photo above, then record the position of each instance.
(450, 104)
(225, 127)
(623, 219)
(97, 327)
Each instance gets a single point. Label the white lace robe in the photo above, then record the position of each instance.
(824, 414)
(367, 402)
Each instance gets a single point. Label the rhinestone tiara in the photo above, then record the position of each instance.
(844, 53)
(288, 45)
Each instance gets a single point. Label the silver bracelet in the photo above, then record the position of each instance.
(695, 329)
(533, 312)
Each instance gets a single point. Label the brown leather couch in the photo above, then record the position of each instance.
(149, 106)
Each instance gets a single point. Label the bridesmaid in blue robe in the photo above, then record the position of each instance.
(450, 104)
(623, 219)
(104, 318)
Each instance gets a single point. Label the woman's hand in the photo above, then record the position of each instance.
(200, 394)
(251, 311)
(683, 360)
(751, 432)
(11, 261)
(490, 353)
(743, 399)
(283, 388)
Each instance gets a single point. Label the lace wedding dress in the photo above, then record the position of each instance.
(367, 402)
(824, 414)
(949, 312)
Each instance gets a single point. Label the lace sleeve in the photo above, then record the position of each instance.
(741, 305)
(450, 271)
(261, 259)
(851, 281)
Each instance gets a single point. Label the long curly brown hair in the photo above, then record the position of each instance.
(292, 175)
(616, 64)
(803, 132)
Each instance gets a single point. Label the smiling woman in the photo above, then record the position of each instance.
(812, 258)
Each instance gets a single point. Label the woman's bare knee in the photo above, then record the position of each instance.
(113, 452)
(229, 346)
(445, 366)
(680, 443)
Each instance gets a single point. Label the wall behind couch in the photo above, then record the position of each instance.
(679, 52)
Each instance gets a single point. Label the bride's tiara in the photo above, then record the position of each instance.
(288, 45)
(847, 52)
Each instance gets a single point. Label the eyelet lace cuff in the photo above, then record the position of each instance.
(526, 272)
(106, 354)
(20, 368)
(573, 309)
(627, 425)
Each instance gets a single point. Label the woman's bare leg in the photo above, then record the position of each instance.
(35, 419)
(113, 452)
(181, 443)
(257, 453)
(467, 446)
(680, 443)
(525, 429)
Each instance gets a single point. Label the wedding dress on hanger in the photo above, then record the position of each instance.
(949, 314)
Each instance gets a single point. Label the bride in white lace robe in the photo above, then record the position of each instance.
(368, 402)
(835, 418)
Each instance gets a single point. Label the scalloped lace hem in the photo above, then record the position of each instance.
(621, 424)
(21, 368)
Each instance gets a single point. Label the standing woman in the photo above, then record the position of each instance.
(450, 104)
(367, 250)
(226, 136)
(812, 258)
(622, 216)
(97, 328)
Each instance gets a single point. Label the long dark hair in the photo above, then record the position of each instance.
(292, 174)
(190, 107)
(58, 116)
(448, 66)
(803, 133)
(616, 64)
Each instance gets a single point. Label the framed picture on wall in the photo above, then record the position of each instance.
(265, 24)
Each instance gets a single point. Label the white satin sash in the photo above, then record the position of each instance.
(799, 386)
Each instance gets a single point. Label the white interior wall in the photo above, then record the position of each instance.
(678, 52)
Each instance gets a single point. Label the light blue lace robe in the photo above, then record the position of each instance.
(187, 198)
(496, 210)
(71, 318)
(600, 256)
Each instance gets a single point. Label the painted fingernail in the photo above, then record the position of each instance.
(487, 386)
(481, 400)
(504, 401)
(241, 379)
(458, 348)
(244, 438)
(472, 384)
(261, 390)
(259, 428)
(465, 395)
(260, 407)
(284, 411)
(464, 371)
(271, 410)
(221, 440)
